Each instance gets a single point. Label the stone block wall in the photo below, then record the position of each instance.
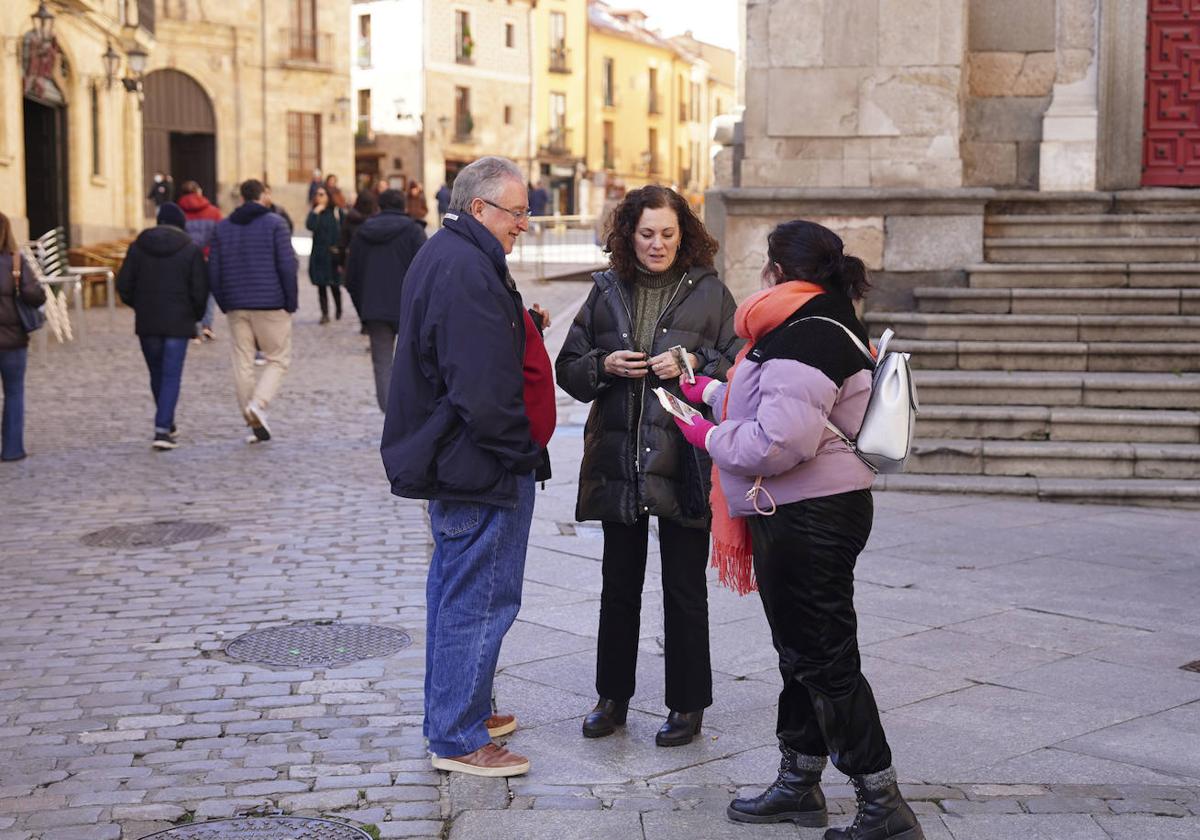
(853, 93)
(1017, 52)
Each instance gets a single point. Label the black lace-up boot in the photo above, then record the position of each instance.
(882, 812)
(794, 796)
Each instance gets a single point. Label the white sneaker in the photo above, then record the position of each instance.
(258, 421)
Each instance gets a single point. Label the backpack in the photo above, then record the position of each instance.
(885, 438)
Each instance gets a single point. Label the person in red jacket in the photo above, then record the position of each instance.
(202, 218)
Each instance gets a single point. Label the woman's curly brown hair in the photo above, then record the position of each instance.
(696, 245)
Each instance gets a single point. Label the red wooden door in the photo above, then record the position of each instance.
(1171, 140)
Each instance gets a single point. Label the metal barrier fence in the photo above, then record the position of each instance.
(555, 244)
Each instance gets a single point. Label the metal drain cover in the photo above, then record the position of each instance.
(317, 644)
(263, 828)
(151, 534)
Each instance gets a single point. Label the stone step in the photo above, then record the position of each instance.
(1155, 492)
(1107, 225)
(1084, 328)
(1085, 390)
(1026, 249)
(1100, 356)
(1054, 459)
(1034, 422)
(1084, 275)
(1025, 301)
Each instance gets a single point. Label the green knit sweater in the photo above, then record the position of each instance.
(651, 294)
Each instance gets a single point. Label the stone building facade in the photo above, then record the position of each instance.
(228, 91)
(898, 119)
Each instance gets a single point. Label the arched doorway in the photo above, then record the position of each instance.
(179, 130)
(44, 74)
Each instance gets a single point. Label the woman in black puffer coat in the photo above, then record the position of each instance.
(661, 291)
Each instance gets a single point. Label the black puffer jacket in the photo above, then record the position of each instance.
(380, 255)
(163, 278)
(12, 334)
(635, 461)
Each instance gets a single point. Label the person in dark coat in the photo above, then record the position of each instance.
(416, 207)
(443, 200)
(539, 199)
(202, 217)
(325, 222)
(661, 291)
(380, 254)
(252, 271)
(163, 279)
(366, 205)
(160, 190)
(16, 278)
(470, 412)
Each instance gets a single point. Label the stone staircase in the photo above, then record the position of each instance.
(1069, 366)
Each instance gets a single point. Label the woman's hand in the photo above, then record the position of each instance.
(626, 364)
(665, 366)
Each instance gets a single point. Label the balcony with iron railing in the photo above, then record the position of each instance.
(683, 112)
(560, 59)
(655, 104)
(556, 142)
(464, 128)
(610, 159)
(307, 48)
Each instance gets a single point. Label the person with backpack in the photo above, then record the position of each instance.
(792, 510)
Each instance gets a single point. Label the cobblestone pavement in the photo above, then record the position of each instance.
(1027, 656)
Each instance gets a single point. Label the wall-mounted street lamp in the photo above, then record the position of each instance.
(137, 67)
(342, 112)
(43, 23)
(400, 113)
(112, 63)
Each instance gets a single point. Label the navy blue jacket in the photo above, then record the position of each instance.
(162, 278)
(380, 253)
(251, 264)
(456, 427)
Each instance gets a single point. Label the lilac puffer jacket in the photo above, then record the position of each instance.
(794, 379)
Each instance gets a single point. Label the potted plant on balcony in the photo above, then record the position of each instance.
(468, 43)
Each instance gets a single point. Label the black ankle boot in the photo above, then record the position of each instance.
(794, 796)
(882, 812)
(605, 718)
(680, 729)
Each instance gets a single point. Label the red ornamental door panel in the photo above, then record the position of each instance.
(1171, 140)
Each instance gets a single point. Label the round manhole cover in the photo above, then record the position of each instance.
(263, 828)
(317, 644)
(151, 534)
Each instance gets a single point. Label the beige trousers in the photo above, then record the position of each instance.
(268, 330)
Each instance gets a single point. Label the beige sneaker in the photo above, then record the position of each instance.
(488, 760)
(500, 725)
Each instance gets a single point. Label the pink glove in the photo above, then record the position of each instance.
(695, 393)
(697, 433)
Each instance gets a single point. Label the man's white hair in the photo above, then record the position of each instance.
(486, 179)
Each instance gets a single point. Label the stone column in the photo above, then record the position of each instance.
(1071, 124)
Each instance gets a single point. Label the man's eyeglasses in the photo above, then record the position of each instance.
(519, 215)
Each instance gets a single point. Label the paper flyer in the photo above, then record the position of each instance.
(673, 405)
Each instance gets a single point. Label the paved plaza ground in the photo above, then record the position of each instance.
(1027, 656)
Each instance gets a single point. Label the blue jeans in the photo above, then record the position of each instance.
(164, 357)
(12, 432)
(472, 596)
(210, 311)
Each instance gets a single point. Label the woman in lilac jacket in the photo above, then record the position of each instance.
(794, 499)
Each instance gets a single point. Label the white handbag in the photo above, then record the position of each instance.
(885, 438)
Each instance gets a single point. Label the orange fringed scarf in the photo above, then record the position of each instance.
(732, 554)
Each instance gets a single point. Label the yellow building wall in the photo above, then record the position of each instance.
(630, 114)
(573, 84)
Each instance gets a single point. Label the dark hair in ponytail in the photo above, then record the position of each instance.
(805, 250)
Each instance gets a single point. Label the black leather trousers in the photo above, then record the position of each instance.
(804, 559)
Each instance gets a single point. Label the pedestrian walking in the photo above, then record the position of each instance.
(792, 509)
(325, 222)
(416, 206)
(160, 190)
(366, 205)
(202, 218)
(470, 411)
(163, 280)
(314, 185)
(379, 256)
(252, 271)
(660, 292)
(443, 200)
(539, 199)
(16, 280)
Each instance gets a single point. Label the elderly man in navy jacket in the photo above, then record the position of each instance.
(468, 419)
(252, 273)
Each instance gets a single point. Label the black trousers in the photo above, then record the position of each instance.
(322, 293)
(685, 612)
(804, 559)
